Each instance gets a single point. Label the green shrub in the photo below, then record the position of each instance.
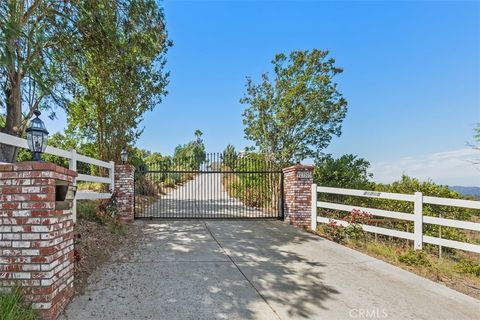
(13, 307)
(116, 227)
(356, 219)
(145, 186)
(468, 266)
(87, 210)
(177, 178)
(334, 231)
(169, 183)
(415, 258)
(383, 250)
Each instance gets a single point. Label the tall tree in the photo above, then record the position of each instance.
(120, 73)
(33, 36)
(295, 116)
(192, 154)
(230, 157)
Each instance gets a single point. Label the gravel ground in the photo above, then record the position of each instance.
(95, 245)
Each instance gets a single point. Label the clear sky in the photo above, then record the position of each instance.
(411, 77)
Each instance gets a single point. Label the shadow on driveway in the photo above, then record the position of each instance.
(242, 269)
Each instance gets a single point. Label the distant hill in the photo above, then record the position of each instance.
(467, 191)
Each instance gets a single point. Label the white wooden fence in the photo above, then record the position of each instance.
(417, 217)
(73, 157)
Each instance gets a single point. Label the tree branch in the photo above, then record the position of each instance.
(30, 10)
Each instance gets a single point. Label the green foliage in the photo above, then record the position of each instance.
(415, 258)
(13, 307)
(254, 190)
(348, 171)
(87, 210)
(383, 250)
(189, 156)
(34, 39)
(296, 115)
(169, 182)
(353, 231)
(137, 157)
(406, 185)
(356, 219)
(468, 266)
(229, 157)
(192, 155)
(410, 185)
(116, 227)
(104, 212)
(65, 142)
(118, 71)
(156, 161)
(334, 231)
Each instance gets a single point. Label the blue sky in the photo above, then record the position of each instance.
(411, 77)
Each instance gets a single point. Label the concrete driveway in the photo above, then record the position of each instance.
(257, 270)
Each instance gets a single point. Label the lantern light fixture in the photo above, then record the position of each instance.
(124, 155)
(37, 136)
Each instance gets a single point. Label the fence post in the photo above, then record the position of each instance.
(418, 220)
(111, 175)
(314, 207)
(72, 165)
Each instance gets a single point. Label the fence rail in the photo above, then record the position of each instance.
(73, 158)
(417, 217)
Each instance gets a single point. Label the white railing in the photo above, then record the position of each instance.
(417, 217)
(73, 157)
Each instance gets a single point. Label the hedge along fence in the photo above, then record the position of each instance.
(73, 159)
(418, 217)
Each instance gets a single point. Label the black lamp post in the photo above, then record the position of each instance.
(124, 155)
(37, 136)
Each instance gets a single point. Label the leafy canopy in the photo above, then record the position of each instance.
(348, 171)
(34, 37)
(229, 157)
(295, 115)
(119, 72)
(191, 155)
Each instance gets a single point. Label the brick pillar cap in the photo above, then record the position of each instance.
(299, 167)
(125, 166)
(37, 166)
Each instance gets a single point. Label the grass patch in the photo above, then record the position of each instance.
(87, 210)
(381, 249)
(116, 227)
(13, 307)
(468, 267)
(91, 186)
(415, 258)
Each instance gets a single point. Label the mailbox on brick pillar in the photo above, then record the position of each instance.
(36, 245)
(64, 195)
(297, 187)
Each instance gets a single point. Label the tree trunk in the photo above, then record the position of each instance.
(13, 123)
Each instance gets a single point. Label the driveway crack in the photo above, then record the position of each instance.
(240, 270)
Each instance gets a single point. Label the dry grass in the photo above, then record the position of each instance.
(91, 186)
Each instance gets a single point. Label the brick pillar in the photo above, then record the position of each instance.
(124, 189)
(297, 188)
(36, 243)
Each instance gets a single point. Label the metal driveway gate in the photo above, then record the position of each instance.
(209, 186)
